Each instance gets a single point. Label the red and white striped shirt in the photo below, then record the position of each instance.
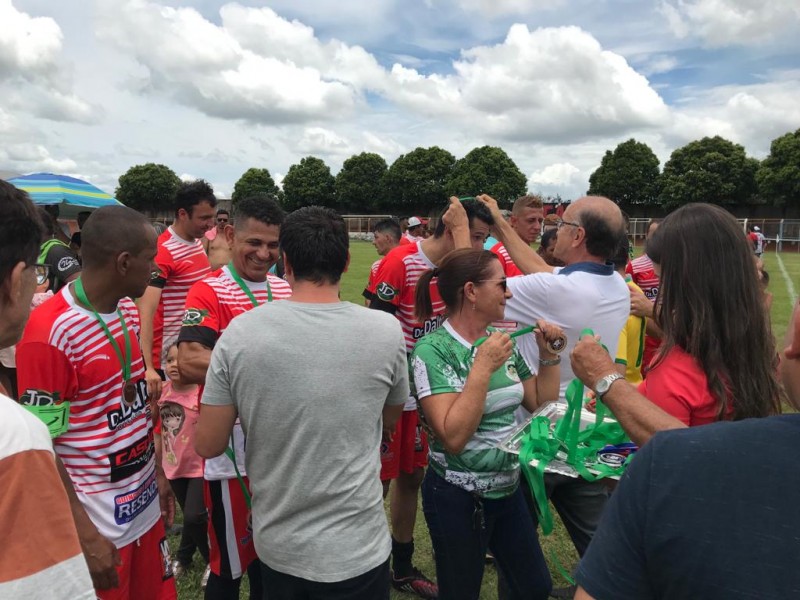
(181, 264)
(509, 268)
(210, 307)
(396, 283)
(108, 450)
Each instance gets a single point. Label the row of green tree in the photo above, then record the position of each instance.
(416, 182)
(712, 169)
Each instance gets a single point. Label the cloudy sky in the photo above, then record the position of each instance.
(91, 88)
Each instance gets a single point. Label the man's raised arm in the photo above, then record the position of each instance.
(525, 257)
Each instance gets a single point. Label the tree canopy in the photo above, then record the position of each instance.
(487, 170)
(713, 170)
(148, 187)
(628, 175)
(415, 181)
(309, 182)
(778, 176)
(254, 182)
(359, 185)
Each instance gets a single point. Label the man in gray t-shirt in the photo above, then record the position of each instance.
(314, 381)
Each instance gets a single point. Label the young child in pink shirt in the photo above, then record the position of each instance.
(179, 409)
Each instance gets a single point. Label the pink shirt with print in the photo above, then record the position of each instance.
(179, 414)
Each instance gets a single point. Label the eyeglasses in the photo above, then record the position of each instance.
(560, 223)
(503, 282)
(42, 273)
(222, 220)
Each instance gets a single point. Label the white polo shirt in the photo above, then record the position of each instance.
(580, 296)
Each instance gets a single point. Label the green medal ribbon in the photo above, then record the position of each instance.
(229, 451)
(124, 361)
(240, 282)
(539, 447)
(555, 346)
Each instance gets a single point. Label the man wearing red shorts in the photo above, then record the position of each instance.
(212, 303)
(404, 452)
(80, 369)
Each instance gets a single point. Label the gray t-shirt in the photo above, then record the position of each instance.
(310, 382)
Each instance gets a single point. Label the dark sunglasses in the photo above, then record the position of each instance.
(503, 283)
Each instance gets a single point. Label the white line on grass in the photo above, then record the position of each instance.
(786, 278)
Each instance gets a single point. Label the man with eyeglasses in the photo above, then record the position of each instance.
(215, 242)
(586, 293)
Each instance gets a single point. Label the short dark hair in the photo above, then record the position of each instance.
(47, 222)
(20, 230)
(223, 211)
(475, 210)
(457, 269)
(192, 193)
(390, 226)
(547, 237)
(620, 259)
(112, 230)
(601, 237)
(261, 208)
(82, 216)
(315, 243)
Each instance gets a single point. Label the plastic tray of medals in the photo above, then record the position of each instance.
(553, 411)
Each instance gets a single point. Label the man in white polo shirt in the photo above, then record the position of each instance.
(586, 293)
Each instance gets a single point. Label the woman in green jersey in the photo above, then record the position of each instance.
(467, 395)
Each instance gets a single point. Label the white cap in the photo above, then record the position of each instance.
(756, 228)
(414, 221)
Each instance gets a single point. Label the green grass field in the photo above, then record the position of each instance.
(558, 544)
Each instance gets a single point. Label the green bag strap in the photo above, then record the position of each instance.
(232, 456)
(45, 248)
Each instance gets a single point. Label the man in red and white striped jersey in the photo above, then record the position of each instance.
(386, 236)
(211, 304)
(404, 454)
(644, 275)
(180, 263)
(527, 216)
(80, 358)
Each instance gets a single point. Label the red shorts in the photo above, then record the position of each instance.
(408, 449)
(229, 555)
(146, 569)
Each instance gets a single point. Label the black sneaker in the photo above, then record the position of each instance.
(416, 583)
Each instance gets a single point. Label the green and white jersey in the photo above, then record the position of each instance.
(440, 364)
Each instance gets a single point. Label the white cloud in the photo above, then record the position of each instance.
(256, 66)
(29, 46)
(551, 84)
(494, 8)
(658, 64)
(29, 158)
(752, 115)
(318, 140)
(731, 22)
(32, 76)
(559, 174)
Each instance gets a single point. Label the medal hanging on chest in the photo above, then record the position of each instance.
(129, 393)
(128, 386)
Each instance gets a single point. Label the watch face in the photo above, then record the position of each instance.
(605, 383)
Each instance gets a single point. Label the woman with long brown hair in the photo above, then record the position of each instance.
(471, 496)
(717, 359)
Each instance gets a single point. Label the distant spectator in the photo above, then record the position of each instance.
(62, 263)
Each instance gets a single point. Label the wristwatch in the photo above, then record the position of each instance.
(602, 386)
